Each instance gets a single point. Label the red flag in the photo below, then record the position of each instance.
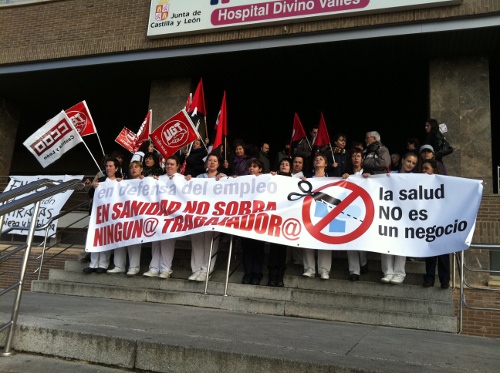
(322, 137)
(198, 103)
(144, 131)
(174, 133)
(221, 124)
(298, 132)
(189, 101)
(127, 138)
(81, 119)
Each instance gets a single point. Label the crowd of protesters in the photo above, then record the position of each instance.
(300, 160)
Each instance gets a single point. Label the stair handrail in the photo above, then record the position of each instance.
(47, 236)
(460, 258)
(27, 188)
(46, 227)
(52, 188)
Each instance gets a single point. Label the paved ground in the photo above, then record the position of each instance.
(327, 346)
(24, 363)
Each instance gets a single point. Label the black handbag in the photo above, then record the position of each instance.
(446, 148)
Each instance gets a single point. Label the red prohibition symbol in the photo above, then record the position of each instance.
(315, 229)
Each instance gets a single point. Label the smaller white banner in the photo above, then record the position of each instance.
(49, 207)
(55, 138)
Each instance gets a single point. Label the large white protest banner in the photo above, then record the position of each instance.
(49, 207)
(415, 215)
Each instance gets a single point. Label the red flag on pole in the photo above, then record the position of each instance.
(221, 124)
(189, 101)
(126, 138)
(144, 131)
(174, 134)
(322, 138)
(298, 132)
(81, 119)
(198, 103)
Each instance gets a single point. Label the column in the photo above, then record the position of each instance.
(9, 120)
(460, 97)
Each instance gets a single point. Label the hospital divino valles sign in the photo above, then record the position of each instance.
(173, 17)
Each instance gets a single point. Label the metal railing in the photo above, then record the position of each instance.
(463, 269)
(45, 243)
(11, 204)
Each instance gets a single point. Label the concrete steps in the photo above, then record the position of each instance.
(144, 336)
(368, 301)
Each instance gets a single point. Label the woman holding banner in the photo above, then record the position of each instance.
(431, 167)
(320, 164)
(393, 266)
(99, 262)
(277, 252)
(253, 250)
(134, 251)
(163, 251)
(358, 263)
(201, 242)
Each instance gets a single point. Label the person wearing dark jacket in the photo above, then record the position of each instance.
(436, 139)
(277, 252)
(264, 158)
(151, 165)
(338, 166)
(195, 160)
(377, 158)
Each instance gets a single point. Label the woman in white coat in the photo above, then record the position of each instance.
(200, 242)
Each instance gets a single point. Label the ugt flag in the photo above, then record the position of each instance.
(81, 119)
(174, 133)
(127, 138)
(55, 138)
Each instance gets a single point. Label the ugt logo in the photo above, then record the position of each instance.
(175, 134)
(79, 120)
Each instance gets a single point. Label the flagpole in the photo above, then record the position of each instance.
(103, 153)
(97, 164)
(331, 149)
(308, 143)
(206, 132)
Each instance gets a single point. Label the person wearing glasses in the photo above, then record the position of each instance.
(377, 158)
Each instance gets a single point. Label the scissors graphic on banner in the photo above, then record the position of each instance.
(306, 188)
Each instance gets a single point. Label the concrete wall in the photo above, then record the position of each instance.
(167, 97)
(9, 119)
(73, 28)
(460, 97)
